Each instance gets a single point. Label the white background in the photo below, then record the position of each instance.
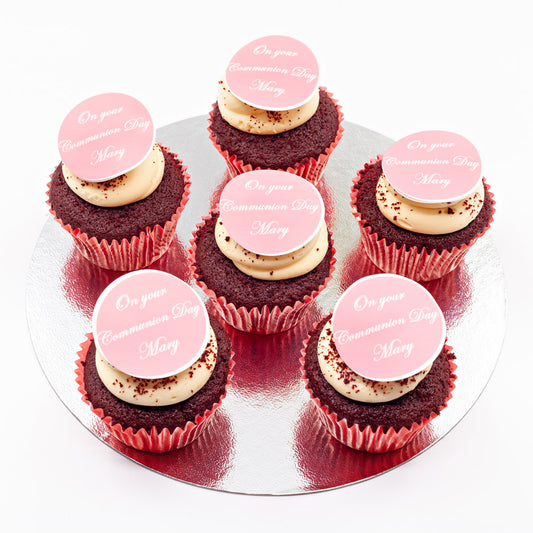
(397, 68)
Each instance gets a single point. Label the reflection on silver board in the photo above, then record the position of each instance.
(266, 437)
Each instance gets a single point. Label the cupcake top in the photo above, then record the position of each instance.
(270, 86)
(384, 334)
(154, 343)
(431, 183)
(271, 225)
(108, 154)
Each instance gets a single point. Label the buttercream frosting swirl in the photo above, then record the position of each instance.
(162, 391)
(353, 386)
(432, 219)
(262, 121)
(277, 267)
(133, 186)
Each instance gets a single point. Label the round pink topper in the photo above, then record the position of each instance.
(271, 212)
(274, 73)
(387, 327)
(433, 167)
(105, 136)
(150, 324)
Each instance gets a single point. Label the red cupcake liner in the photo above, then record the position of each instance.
(143, 439)
(409, 261)
(366, 439)
(312, 171)
(264, 321)
(137, 252)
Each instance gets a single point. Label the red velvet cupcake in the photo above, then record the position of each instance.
(122, 210)
(278, 119)
(421, 214)
(156, 368)
(377, 379)
(258, 282)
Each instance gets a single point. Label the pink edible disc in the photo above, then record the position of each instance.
(433, 167)
(274, 72)
(106, 136)
(271, 212)
(150, 324)
(387, 327)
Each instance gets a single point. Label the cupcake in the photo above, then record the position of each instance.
(266, 253)
(271, 113)
(155, 367)
(117, 192)
(422, 205)
(378, 369)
